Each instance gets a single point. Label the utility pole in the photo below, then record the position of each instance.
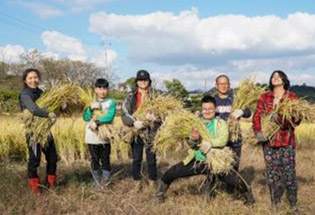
(106, 45)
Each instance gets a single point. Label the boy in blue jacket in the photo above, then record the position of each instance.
(99, 148)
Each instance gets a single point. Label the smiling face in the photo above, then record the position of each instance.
(276, 80)
(32, 80)
(143, 84)
(208, 110)
(101, 92)
(222, 85)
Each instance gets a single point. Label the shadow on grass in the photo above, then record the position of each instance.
(81, 173)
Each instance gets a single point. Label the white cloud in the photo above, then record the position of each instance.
(11, 53)
(166, 38)
(102, 58)
(59, 43)
(41, 9)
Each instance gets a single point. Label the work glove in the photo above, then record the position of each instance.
(93, 126)
(138, 124)
(95, 106)
(199, 156)
(205, 147)
(150, 116)
(64, 105)
(238, 113)
(52, 117)
(261, 138)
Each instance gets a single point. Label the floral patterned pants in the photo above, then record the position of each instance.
(280, 164)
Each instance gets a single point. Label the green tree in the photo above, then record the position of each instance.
(176, 89)
(131, 83)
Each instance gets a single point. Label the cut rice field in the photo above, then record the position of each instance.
(76, 194)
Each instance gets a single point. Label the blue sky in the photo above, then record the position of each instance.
(193, 41)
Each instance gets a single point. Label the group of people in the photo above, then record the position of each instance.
(279, 152)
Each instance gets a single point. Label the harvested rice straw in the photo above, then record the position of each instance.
(220, 160)
(290, 110)
(105, 132)
(161, 106)
(174, 133)
(51, 100)
(246, 96)
(296, 109)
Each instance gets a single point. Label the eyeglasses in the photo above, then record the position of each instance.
(208, 110)
(222, 84)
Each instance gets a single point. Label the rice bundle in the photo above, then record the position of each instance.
(290, 110)
(51, 101)
(247, 95)
(220, 160)
(161, 106)
(174, 133)
(105, 132)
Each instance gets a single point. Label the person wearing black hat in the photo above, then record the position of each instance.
(131, 103)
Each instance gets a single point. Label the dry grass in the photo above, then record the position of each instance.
(75, 193)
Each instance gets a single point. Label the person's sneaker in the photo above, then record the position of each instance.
(106, 177)
(97, 178)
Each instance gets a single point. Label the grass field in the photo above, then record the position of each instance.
(76, 194)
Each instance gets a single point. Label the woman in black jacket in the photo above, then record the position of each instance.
(27, 98)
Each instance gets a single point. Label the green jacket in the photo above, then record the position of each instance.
(108, 107)
(219, 134)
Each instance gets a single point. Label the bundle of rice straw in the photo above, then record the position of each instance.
(105, 132)
(175, 131)
(246, 96)
(160, 107)
(290, 110)
(51, 101)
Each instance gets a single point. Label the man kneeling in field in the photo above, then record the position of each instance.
(194, 164)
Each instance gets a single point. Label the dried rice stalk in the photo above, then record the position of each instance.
(160, 106)
(247, 95)
(290, 110)
(51, 101)
(175, 131)
(220, 160)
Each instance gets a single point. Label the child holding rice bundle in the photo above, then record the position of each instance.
(195, 162)
(130, 105)
(27, 99)
(279, 151)
(99, 147)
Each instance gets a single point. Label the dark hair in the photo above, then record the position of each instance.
(101, 83)
(29, 70)
(222, 76)
(284, 78)
(208, 99)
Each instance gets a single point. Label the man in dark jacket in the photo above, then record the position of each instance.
(131, 103)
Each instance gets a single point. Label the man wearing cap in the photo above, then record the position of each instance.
(131, 103)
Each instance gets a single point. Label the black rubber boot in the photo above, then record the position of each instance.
(208, 187)
(161, 190)
(249, 198)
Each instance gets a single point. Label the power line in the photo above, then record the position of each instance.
(31, 28)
